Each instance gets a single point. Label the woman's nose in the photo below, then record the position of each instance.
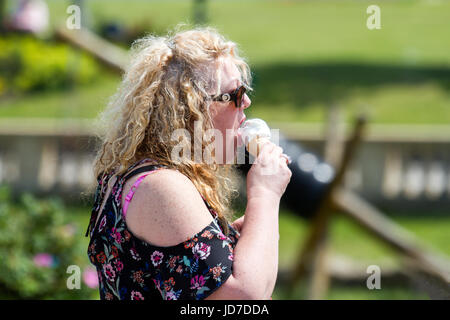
(247, 102)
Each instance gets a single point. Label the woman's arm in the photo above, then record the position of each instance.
(256, 253)
(255, 263)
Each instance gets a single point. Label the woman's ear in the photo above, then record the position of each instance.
(213, 109)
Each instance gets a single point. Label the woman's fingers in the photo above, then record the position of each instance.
(286, 158)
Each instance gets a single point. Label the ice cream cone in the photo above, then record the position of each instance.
(255, 145)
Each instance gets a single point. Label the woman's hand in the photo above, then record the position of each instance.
(237, 224)
(269, 175)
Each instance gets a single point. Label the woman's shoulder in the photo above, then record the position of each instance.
(168, 184)
(167, 209)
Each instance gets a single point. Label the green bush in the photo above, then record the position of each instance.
(30, 64)
(37, 246)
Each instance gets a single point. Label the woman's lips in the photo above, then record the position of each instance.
(238, 133)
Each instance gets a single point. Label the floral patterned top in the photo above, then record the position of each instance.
(131, 268)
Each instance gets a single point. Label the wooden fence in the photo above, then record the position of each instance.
(397, 167)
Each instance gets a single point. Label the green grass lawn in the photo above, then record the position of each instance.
(304, 56)
(412, 30)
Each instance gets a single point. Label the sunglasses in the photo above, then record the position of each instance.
(237, 96)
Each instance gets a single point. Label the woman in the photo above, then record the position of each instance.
(174, 239)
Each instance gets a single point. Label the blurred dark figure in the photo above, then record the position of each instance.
(310, 179)
(123, 34)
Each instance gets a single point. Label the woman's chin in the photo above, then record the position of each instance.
(238, 139)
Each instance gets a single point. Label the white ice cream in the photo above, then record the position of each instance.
(253, 133)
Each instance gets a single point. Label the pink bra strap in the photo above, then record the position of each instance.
(132, 191)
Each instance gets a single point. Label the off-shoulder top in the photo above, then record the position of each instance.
(131, 268)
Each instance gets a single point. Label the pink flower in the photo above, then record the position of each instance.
(90, 277)
(119, 265)
(43, 260)
(157, 258)
(116, 235)
(197, 282)
(136, 295)
(201, 250)
(170, 295)
(109, 272)
(221, 236)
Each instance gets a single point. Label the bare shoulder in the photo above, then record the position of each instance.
(167, 209)
(167, 179)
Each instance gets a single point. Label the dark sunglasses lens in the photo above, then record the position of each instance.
(240, 96)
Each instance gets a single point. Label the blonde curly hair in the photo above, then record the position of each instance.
(166, 87)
